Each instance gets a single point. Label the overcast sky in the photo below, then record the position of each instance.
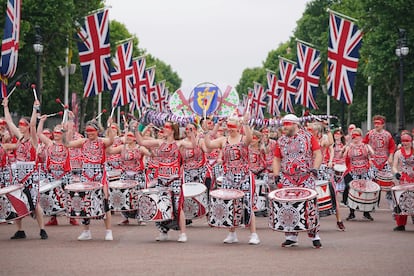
(209, 40)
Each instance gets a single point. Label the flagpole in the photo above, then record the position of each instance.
(369, 109)
(304, 42)
(99, 106)
(123, 40)
(99, 10)
(288, 60)
(342, 15)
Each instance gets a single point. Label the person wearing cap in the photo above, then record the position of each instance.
(403, 169)
(384, 147)
(57, 160)
(168, 155)
(358, 156)
(93, 167)
(297, 158)
(26, 152)
(236, 169)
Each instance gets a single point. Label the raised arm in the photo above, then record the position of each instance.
(43, 138)
(7, 117)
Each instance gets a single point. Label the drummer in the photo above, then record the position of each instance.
(169, 174)
(236, 170)
(132, 166)
(57, 160)
(383, 144)
(268, 147)
(403, 168)
(358, 159)
(325, 172)
(93, 168)
(298, 158)
(26, 152)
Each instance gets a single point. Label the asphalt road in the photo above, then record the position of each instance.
(366, 248)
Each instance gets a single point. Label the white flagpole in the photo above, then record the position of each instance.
(369, 104)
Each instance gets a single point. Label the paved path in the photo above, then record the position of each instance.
(366, 248)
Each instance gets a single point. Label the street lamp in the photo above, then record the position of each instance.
(38, 49)
(401, 51)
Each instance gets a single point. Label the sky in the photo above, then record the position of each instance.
(209, 40)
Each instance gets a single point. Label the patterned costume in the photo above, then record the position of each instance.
(169, 172)
(296, 154)
(194, 168)
(58, 163)
(237, 174)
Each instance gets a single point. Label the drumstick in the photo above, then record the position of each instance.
(60, 102)
(112, 111)
(34, 92)
(205, 108)
(100, 114)
(14, 88)
(54, 114)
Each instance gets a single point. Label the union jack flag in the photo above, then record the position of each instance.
(272, 105)
(150, 86)
(259, 101)
(10, 44)
(286, 84)
(307, 73)
(95, 54)
(122, 75)
(160, 98)
(139, 83)
(345, 40)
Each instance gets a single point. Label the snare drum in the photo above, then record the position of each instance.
(339, 170)
(403, 196)
(123, 195)
(293, 209)
(13, 203)
(260, 196)
(325, 204)
(363, 195)
(52, 197)
(226, 208)
(114, 174)
(385, 180)
(219, 181)
(84, 200)
(195, 200)
(21, 171)
(155, 204)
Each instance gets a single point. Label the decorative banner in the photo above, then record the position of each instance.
(179, 104)
(228, 102)
(205, 98)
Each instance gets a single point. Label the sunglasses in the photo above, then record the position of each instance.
(23, 124)
(131, 135)
(168, 126)
(355, 135)
(57, 132)
(189, 128)
(231, 126)
(406, 140)
(91, 129)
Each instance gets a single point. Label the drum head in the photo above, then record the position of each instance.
(11, 188)
(123, 184)
(321, 182)
(227, 194)
(403, 188)
(339, 168)
(292, 194)
(364, 186)
(83, 186)
(47, 186)
(192, 189)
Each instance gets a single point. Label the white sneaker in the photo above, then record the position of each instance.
(254, 239)
(108, 235)
(231, 238)
(182, 238)
(162, 237)
(85, 235)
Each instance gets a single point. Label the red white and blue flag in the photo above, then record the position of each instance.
(122, 75)
(140, 82)
(259, 101)
(159, 97)
(10, 44)
(150, 87)
(286, 85)
(345, 40)
(307, 73)
(272, 105)
(95, 54)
